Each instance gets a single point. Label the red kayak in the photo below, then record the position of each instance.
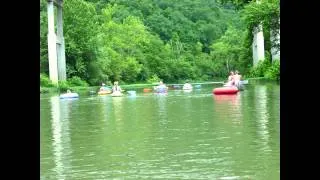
(225, 90)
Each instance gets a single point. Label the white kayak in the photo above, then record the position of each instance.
(69, 95)
(187, 88)
(132, 93)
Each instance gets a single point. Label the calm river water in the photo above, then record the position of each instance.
(181, 135)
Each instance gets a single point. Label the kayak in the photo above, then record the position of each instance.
(116, 94)
(161, 90)
(104, 92)
(198, 86)
(147, 90)
(132, 93)
(187, 88)
(225, 90)
(69, 95)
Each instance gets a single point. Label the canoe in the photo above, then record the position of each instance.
(225, 90)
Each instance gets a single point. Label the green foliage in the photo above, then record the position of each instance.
(228, 52)
(260, 69)
(80, 32)
(45, 81)
(267, 12)
(239, 4)
(63, 86)
(153, 79)
(149, 40)
(274, 71)
(266, 69)
(77, 81)
(44, 67)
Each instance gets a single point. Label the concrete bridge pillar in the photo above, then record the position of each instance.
(56, 47)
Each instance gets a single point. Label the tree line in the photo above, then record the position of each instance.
(147, 40)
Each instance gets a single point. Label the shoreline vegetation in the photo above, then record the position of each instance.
(56, 89)
(174, 41)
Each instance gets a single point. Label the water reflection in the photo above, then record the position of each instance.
(262, 116)
(180, 136)
(60, 133)
(103, 106)
(229, 105)
(222, 99)
(187, 104)
(118, 112)
(162, 108)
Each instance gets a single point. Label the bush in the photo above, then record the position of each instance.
(153, 79)
(266, 69)
(77, 81)
(260, 69)
(45, 81)
(274, 71)
(63, 86)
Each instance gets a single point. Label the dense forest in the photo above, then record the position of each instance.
(174, 40)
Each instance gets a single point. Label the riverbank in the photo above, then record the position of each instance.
(140, 85)
(124, 86)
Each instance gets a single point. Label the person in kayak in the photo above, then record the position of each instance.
(230, 79)
(104, 88)
(161, 87)
(237, 79)
(187, 86)
(116, 87)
